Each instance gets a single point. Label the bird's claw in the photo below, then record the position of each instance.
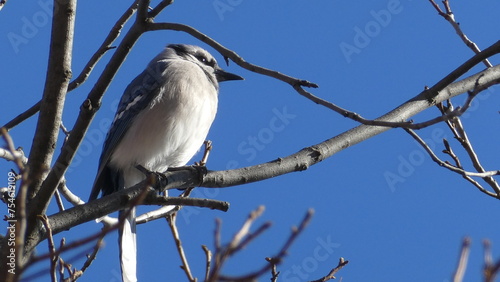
(157, 179)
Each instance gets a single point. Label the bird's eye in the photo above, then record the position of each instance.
(204, 60)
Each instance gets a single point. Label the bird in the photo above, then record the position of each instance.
(162, 120)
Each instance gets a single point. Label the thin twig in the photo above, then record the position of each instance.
(458, 130)
(12, 153)
(240, 239)
(462, 261)
(491, 269)
(448, 16)
(464, 173)
(92, 256)
(61, 269)
(277, 258)
(105, 46)
(208, 255)
(54, 258)
(156, 10)
(163, 211)
(274, 272)
(64, 130)
(331, 275)
(178, 243)
(208, 148)
(59, 201)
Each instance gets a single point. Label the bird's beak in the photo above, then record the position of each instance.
(223, 75)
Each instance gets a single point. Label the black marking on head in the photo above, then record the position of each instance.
(179, 49)
(204, 60)
(186, 50)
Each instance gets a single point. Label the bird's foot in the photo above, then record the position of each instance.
(158, 180)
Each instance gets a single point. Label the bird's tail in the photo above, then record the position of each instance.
(128, 246)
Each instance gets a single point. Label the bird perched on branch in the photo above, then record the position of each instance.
(162, 120)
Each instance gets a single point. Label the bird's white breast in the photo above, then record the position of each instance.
(173, 127)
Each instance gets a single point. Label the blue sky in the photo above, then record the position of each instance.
(366, 56)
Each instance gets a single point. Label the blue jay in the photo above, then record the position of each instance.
(162, 120)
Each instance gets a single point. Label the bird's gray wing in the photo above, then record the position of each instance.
(137, 96)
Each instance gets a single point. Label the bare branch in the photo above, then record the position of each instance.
(462, 261)
(448, 16)
(466, 174)
(59, 202)
(12, 156)
(491, 269)
(76, 201)
(142, 10)
(56, 85)
(92, 256)
(156, 10)
(331, 275)
(11, 153)
(52, 250)
(274, 260)
(274, 272)
(208, 255)
(23, 116)
(162, 212)
(105, 46)
(208, 148)
(178, 243)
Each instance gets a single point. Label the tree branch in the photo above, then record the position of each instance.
(56, 85)
(171, 219)
(331, 275)
(458, 276)
(448, 16)
(466, 174)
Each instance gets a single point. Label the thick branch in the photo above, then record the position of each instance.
(56, 84)
(45, 138)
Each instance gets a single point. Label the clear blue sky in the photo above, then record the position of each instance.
(366, 56)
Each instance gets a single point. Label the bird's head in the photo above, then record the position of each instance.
(204, 60)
